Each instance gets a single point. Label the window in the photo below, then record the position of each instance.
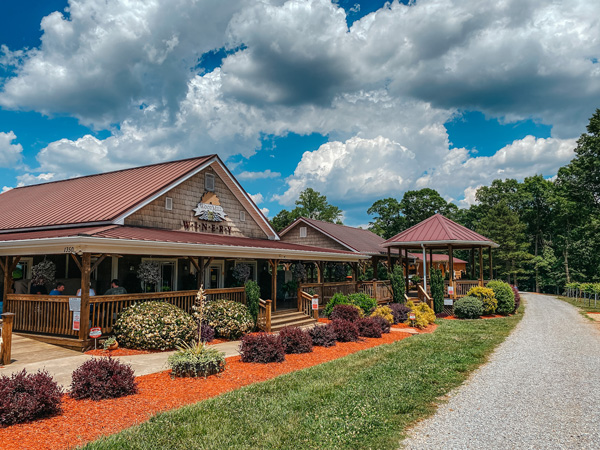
(209, 182)
(242, 216)
(169, 204)
(302, 232)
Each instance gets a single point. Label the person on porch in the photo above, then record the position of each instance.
(115, 288)
(58, 290)
(92, 292)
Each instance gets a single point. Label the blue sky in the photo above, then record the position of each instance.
(359, 100)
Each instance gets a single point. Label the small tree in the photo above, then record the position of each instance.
(437, 290)
(252, 299)
(398, 285)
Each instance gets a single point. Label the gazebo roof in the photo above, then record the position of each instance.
(438, 232)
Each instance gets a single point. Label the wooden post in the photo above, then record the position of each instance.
(389, 260)
(7, 326)
(268, 317)
(407, 267)
(491, 265)
(84, 317)
(315, 311)
(480, 266)
(197, 267)
(430, 262)
(274, 264)
(472, 263)
(451, 261)
(375, 264)
(7, 276)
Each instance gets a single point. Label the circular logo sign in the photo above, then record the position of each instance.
(95, 332)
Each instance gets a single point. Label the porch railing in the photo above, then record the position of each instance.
(379, 290)
(50, 314)
(264, 315)
(424, 296)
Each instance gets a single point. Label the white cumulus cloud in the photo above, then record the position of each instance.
(10, 153)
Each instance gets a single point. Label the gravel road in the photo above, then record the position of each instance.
(540, 389)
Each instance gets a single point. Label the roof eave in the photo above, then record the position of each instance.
(437, 243)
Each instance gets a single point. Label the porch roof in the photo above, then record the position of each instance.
(438, 232)
(148, 241)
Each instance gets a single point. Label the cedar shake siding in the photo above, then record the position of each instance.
(186, 197)
(313, 238)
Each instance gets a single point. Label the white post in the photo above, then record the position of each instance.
(424, 269)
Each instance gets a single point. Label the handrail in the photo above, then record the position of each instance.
(305, 304)
(424, 296)
(264, 315)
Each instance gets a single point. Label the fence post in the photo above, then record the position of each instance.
(268, 317)
(7, 326)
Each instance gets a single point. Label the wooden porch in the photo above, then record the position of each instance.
(380, 290)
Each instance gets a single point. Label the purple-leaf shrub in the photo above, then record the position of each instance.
(350, 313)
(207, 333)
(262, 348)
(323, 335)
(369, 327)
(400, 312)
(384, 325)
(25, 397)
(345, 331)
(295, 340)
(100, 378)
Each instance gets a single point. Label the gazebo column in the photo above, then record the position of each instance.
(375, 264)
(491, 265)
(481, 266)
(424, 269)
(8, 267)
(472, 263)
(407, 267)
(84, 317)
(451, 262)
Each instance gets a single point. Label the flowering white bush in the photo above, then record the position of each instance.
(154, 326)
(43, 272)
(229, 319)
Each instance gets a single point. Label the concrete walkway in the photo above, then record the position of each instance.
(538, 391)
(60, 363)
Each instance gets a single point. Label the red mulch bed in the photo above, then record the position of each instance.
(85, 420)
(493, 316)
(130, 351)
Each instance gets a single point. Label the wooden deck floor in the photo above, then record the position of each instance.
(27, 351)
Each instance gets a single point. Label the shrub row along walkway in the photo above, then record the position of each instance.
(537, 391)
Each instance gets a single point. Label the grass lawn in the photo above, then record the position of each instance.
(582, 303)
(365, 400)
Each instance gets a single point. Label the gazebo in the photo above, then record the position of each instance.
(440, 233)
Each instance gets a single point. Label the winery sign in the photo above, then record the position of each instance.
(208, 210)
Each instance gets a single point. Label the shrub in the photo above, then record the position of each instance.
(295, 340)
(100, 378)
(25, 397)
(196, 360)
(262, 348)
(322, 335)
(487, 297)
(400, 312)
(252, 299)
(385, 312)
(363, 301)
(337, 299)
(517, 296)
(154, 326)
(369, 327)
(437, 290)
(504, 295)
(468, 308)
(345, 331)
(424, 315)
(383, 323)
(229, 319)
(398, 284)
(350, 313)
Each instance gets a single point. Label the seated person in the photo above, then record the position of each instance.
(38, 289)
(115, 288)
(92, 292)
(58, 290)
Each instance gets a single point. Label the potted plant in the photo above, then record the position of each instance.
(111, 343)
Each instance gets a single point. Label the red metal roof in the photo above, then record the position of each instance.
(155, 235)
(90, 199)
(439, 229)
(361, 241)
